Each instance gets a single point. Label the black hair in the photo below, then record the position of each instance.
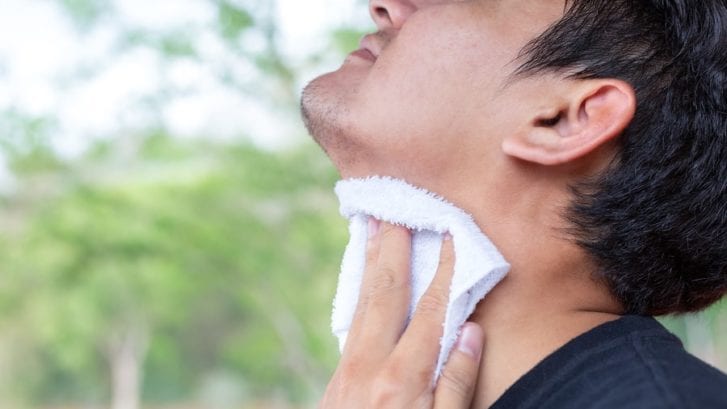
(655, 221)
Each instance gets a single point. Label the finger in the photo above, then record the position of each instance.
(372, 257)
(388, 289)
(457, 383)
(426, 324)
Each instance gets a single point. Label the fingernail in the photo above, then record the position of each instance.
(373, 227)
(470, 340)
(447, 236)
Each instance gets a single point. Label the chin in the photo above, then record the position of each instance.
(328, 117)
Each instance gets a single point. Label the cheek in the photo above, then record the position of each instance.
(429, 82)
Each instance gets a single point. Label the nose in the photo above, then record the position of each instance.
(391, 14)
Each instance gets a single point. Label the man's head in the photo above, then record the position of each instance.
(433, 89)
(619, 103)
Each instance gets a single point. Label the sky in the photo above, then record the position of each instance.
(42, 53)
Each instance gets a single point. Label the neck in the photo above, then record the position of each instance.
(522, 328)
(547, 299)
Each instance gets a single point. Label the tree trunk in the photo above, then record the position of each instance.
(126, 356)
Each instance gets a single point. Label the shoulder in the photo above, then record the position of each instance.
(633, 362)
(649, 369)
(673, 377)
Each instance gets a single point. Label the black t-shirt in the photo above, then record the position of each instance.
(631, 362)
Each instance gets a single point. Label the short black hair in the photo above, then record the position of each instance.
(655, 221)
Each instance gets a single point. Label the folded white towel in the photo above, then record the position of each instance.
(478, 265)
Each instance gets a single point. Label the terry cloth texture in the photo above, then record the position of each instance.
(478, 265)
(629, 363)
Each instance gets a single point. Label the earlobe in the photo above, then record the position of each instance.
(592, 113)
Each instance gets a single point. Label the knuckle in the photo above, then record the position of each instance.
(351, 368)
(386, 231)
(382, 286)
(423, 376)
(371, 256)
(385, 279)
(432, 302)
(457, 380)
(386, 388)
(392, 231)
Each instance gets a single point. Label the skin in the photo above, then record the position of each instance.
(384, 364)
(441, 109)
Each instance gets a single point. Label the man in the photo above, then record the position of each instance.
(588, 139)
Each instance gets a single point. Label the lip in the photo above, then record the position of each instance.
(371, 44)
(364, 54)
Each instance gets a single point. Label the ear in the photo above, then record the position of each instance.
(585, 116)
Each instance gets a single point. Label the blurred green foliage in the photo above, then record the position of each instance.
(85, 12)
(221, 262)
(233, 20)
(207, 267)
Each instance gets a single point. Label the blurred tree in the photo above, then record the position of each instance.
(150, 265)
(214, 251)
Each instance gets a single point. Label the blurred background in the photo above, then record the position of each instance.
(169, 236)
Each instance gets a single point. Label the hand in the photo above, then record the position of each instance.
(384, 364)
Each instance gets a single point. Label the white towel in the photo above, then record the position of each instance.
(478, 265)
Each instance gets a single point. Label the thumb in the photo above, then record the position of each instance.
(456, 385)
